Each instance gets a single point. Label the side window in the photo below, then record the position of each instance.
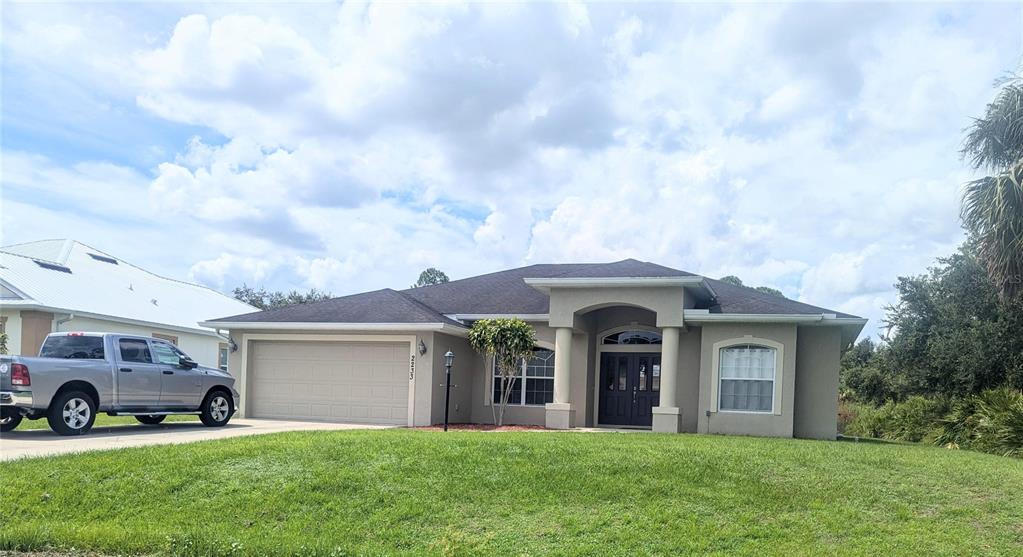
(222, 356)
(135, 350)
(165, 354)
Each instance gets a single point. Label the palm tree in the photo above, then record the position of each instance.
(992, 208)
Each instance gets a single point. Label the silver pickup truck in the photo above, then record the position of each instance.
(79, 374)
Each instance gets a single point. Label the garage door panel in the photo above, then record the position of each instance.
(343, 381)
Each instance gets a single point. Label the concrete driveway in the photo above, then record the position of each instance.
(18, 444)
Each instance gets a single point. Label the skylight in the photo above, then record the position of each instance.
(103, 258)
(53, 266)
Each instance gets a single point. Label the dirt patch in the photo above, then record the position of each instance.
(482, 427)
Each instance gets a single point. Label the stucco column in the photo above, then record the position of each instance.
(667, 415)
(559, 413)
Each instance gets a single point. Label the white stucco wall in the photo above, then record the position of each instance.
(202, 348)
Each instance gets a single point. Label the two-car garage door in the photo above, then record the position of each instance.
(362, 382)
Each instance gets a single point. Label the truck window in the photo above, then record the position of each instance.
(166, 354)
(72, 347)
(135, 350)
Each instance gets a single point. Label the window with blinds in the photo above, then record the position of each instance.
(747, 378)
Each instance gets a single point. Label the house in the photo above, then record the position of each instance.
(64, 285)
(625, 344)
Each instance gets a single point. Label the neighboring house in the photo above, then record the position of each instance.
(64, 285)
(625, 344)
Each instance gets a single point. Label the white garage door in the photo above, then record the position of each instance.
(365, 382)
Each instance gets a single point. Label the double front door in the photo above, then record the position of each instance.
(630, 385)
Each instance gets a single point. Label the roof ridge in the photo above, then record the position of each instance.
(422, 305)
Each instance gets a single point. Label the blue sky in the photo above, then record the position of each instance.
(809, 147)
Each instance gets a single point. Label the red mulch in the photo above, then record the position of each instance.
(482, 427)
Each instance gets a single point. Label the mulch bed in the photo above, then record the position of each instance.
(482, 427)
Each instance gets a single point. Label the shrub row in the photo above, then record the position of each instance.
(990, 422)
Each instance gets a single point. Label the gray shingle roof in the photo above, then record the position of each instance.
(505, 292)
(740, 299)
(379, 306)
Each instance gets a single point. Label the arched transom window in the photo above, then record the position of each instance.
(636, 336)
(747, 378)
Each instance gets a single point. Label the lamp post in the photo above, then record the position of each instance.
(449, 359)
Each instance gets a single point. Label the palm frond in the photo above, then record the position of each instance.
(995, 141)
(993, 211)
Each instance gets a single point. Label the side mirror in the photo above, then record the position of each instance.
(187, 363)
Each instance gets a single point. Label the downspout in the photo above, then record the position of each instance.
(59, 322)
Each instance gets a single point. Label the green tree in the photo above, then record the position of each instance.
(733, 280)
(736, 281)
(949, 334)
(769, 290)
(3, 343)
(272, 299)
(992, 207)
(508, 342)
(431, 276)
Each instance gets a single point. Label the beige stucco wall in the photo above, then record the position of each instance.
(468, 365)
(739, 423)
(568, 304)
(688, 388)
(816, 398)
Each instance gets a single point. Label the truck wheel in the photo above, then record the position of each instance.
(71, 413)
(216, 409)
(151, 419)
(9, 419)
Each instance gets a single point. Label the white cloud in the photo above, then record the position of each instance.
(812, 148)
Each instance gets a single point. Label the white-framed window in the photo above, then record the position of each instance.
(538, 387)
(746, 375)
(223, 352)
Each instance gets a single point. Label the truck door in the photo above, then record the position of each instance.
(138, 375)
(181, 386)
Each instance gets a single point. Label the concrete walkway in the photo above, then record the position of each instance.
(42, 442)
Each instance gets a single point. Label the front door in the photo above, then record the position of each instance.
(630, 385)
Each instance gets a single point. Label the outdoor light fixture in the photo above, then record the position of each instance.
(422, 347)
(449, 359)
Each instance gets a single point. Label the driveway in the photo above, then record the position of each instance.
(18, 444)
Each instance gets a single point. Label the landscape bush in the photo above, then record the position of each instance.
(914, 419)
(990, 422)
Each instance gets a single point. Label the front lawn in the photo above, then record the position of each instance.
(102, 420)
(413, 492)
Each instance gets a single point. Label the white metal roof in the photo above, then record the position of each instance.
(99, 288)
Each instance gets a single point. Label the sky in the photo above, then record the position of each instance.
(346, 147)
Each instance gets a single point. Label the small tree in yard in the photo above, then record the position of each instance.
(509, 342)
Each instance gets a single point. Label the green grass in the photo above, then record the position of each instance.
(102, 420)
(460, 493)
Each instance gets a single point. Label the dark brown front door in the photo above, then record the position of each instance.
(630, 387)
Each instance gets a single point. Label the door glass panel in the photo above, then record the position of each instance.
(655, 378)
(165, 354)
(642, 374)
(609, 372)
(135, 350)
(623, 374)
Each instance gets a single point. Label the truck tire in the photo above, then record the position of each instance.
(217, 409)
(150, 419)
(71, 413)
(9, 419)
